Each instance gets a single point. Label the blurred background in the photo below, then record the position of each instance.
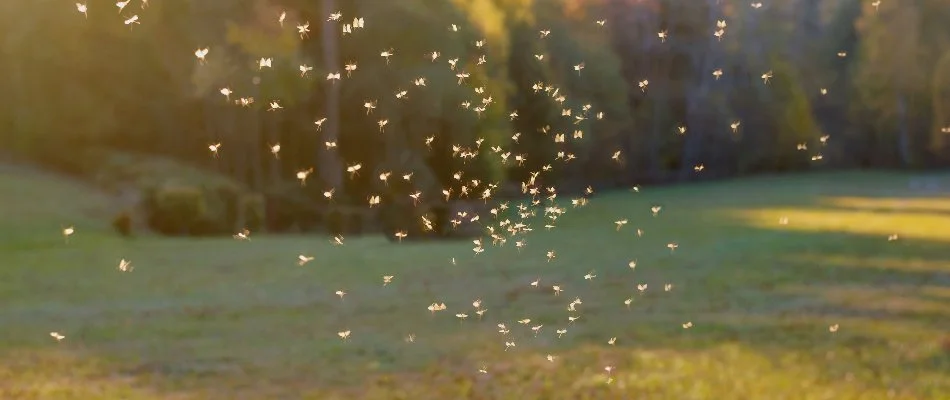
(681, 90)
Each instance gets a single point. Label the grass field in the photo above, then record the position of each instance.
(229, 319)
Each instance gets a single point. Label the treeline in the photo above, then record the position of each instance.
(460, 96)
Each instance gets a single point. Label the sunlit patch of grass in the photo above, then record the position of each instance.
(898, 204)
(220, 318)
(656, 374)
(905, 224)
(62, 373)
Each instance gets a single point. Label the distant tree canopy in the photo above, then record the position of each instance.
(607, 92)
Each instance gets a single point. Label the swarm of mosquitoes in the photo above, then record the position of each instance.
(502, 229)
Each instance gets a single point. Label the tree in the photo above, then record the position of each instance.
(890, 76)
(331, 166)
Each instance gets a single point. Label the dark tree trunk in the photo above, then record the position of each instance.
(331, 166)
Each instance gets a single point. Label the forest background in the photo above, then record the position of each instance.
(669, 91)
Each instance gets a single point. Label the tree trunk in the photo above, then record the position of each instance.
(211, 118)
(235, 168)
(331, 166)
(903, 133)
(649, 42)
(692, 143)
(273, 137)
(809, 30)
(252, 143)
(940, 94)
(239, 153)
(696, 99)
(254, 152)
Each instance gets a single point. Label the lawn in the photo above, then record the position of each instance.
(791, 287)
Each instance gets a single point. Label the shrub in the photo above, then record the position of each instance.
(466, 228)
(440, 219)
(405, 216)
(178, 210)
(279, 218)
(206, 210)
(336, 222)
(309, 220)
(253, 211)
(122, 223)
(348, 220)
(287, 206)
(220, 217)
(223, 207)
(228, 207)
(355, 222)
(206, 225)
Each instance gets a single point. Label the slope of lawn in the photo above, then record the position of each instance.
(759, 299)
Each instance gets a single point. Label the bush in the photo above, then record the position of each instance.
(467, 228)
(288, 206)
(309, 220)
(336, 222)
(178, 198)
(355, 222)
(440, 219)
(204, 211)
(228, 207)
(178, 210)
(253, 211)
(348, 220)
(122, 223)
(207, 225)
(406, 217)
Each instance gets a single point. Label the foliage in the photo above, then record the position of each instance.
(177, 210)
(290, 207)
(122, 223)
(941, 103)
(78, 84)
(253, 211)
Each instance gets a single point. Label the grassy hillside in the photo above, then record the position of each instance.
(34, 203)
(763, 272)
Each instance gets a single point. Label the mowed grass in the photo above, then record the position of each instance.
(220, 318)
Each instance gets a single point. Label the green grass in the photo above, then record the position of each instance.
(229, 319)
